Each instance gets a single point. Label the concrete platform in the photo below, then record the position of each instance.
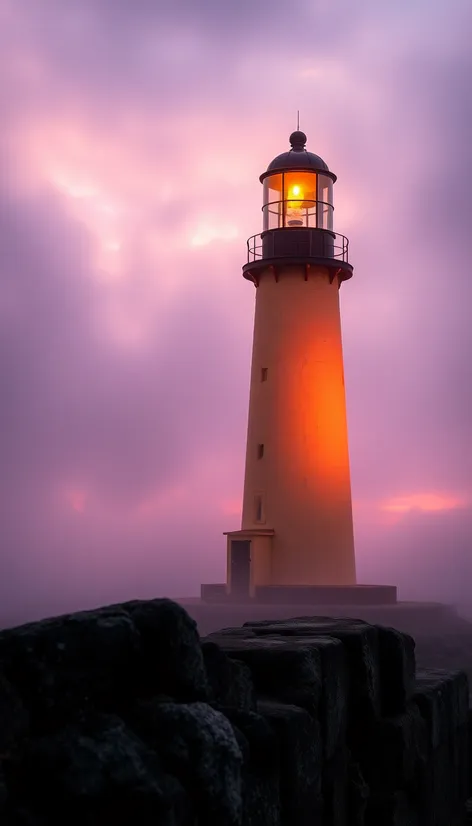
(308, 594)
(411, 617)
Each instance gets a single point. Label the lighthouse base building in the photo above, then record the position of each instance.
(296, 541)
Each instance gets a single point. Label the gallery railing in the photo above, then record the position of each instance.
(299, 242)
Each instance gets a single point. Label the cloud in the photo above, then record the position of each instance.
(132, 139)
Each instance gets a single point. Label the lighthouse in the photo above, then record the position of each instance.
(297, 527)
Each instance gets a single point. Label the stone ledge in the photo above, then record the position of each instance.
(125, 714)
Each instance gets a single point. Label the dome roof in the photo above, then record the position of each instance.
(297, 158)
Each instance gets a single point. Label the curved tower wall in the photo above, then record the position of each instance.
(297, 479)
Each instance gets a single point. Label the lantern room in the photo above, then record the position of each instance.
(298, 189)
(298, 199)
(297, 214)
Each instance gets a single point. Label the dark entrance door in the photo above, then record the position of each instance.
(240, 566)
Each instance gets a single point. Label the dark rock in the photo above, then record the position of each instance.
(170, 649)
(14, 719)
(334, 688)
(24, 816)
(3, 791)
(261, 768)
(442, 698)
(334, 678)
(441, 774)
(197, 745)
(461, 690)
(122, 716)
(358, 794)
(393, 750)
(360, 641)
(71, 664)
(460, 760)
(392, 811)
(229, 680)
(469, 753)
(299, 740)
(97, 773)
(397, 669)
(280, 670)
(335, 787)
(438, 797)
(396, 652)
(103, 659)
(241, 631)
(259, 736)
(242, 693)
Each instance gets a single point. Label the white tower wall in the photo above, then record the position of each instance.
(298, 483)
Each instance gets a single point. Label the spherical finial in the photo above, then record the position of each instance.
(298, 140)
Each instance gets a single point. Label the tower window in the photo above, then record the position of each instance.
(264, 372)
(259, 515)
(260, 451)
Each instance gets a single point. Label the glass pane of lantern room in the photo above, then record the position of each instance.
(300, 199)
(272, 205)
(325, 198)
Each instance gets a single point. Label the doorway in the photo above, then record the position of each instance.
(240, 566)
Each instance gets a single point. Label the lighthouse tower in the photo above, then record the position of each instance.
(297, 525)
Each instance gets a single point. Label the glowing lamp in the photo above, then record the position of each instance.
(298, 189)
(296, 207)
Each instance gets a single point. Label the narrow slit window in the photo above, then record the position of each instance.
(258, 509)
(264, 372)
(260, 451)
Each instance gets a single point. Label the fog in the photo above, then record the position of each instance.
(133, 135)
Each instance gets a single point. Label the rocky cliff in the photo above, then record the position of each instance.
(125, 716)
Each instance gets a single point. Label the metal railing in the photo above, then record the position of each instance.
(313, 214)
(312, 243)
(254, 248)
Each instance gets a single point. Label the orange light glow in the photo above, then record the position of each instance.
(295, 205)
(319, 413)
(300, 187)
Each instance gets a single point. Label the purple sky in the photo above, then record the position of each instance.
(132, 137)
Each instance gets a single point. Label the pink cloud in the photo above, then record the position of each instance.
(131, 145)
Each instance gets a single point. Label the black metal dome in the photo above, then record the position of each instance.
(298, 158)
